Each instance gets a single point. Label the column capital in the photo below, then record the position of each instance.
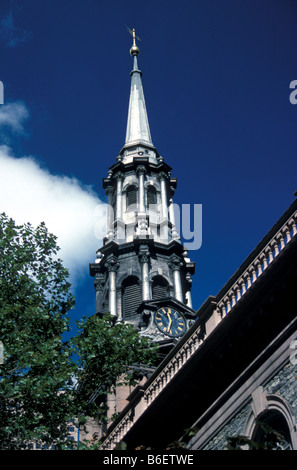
(141, 170)
(119, 175)
(163, 175)
(144, 256)
(112, 264)
(175, 263)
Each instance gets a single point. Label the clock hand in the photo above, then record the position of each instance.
(170, 322)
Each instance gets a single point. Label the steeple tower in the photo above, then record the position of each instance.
(138, 130)
(142, 273)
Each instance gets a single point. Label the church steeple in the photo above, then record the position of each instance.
(142, 265)
(138, 131)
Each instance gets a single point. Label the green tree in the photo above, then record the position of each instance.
(45, 381)
(37, 369)
(110, 354)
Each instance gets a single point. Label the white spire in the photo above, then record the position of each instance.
(138, 130)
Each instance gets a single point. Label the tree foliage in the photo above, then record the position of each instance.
(34, 300)
(38, 398)
(110, 354)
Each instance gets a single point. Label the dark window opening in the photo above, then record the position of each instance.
(160, 288)
(151, 196)
(131, 196)
(131, 296)
(273, 431)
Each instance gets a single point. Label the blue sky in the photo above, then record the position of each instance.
(216, 78)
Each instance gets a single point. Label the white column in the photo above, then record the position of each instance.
(112, 266)
(144, 261)
(164, 209)
(119, 177)
(141, 173)
(188, 293)
(110, 213)
(172, 220)
(112, 293)
(175, 266)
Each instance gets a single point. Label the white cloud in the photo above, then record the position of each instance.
(13, 115)
(71, 210)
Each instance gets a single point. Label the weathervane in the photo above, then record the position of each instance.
(134, 49)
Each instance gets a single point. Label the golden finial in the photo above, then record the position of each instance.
(134, 49)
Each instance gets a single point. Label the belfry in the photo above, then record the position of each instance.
(142, 273)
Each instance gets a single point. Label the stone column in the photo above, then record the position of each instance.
(144, 262)
(188, 293)
(112, 266)
(142, 226)
(174, 232)
(164, 209)
(141, 173)
(110, 213)
(175, 265)
(99, 285)
(119, 178)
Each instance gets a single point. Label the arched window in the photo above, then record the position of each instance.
(131, 196)
(270, 425)
(131, 296)
(160, 288)
(151, 196)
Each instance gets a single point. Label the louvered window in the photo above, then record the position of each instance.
(131, 196)
(151, 196)
(160, 288)
(131, 296)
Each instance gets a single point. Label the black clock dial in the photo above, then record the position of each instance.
(170, 322)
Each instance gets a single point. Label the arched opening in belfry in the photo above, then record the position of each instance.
(160, 287)
(151, 197)
(131, 195)
(131, 290)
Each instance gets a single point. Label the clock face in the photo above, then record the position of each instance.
(170, 322)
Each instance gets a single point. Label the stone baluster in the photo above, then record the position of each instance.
(269, 250)
(287, 233)
(293, 225)
(253, 274)
(275, 248)
(238, 293)
(281, 240)
(233, 300)
(264, 260)
(228, 305)
(248, 280)
(243, 286)
(222, 309)
(259, 267)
